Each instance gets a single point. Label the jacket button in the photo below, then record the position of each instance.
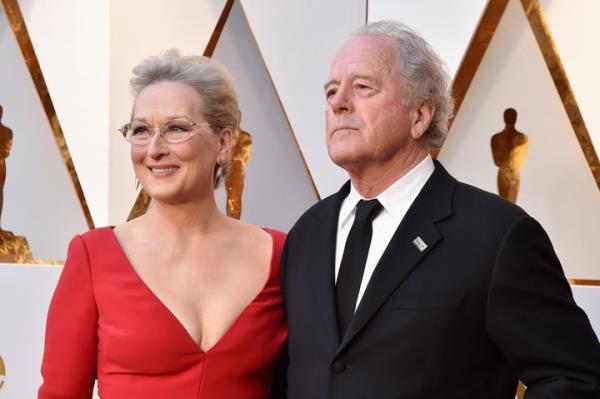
(339, 366)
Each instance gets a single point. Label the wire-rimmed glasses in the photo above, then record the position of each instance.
(174, 131)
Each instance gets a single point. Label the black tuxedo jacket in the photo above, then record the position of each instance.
(486, 303)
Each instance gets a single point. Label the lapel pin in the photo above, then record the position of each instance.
(420, 244)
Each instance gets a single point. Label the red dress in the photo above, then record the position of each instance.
(105, 323)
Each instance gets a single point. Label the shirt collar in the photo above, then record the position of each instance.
(406, 188)
(393, 197)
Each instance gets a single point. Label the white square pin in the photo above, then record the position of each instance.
(420, 244)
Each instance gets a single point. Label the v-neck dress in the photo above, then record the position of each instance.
(104, 323)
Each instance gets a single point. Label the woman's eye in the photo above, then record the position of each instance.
(176, 128)
(139, 130)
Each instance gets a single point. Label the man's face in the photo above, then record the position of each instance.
(367, 124)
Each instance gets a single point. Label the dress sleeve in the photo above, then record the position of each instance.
(532, 317)
(69, 364)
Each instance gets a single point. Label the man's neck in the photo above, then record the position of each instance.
(372, 181)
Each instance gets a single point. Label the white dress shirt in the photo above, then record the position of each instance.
(396, 200)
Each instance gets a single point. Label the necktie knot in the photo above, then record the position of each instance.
(367, 210)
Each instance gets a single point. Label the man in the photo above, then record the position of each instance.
(436, 289)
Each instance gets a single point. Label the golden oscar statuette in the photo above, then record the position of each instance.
(509, 149)
(2, 372)
(13, 249)
(234, 181)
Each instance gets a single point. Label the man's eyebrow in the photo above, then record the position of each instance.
(370, 78)
(366, 77)
(329, 83)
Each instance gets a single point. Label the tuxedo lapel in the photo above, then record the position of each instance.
(406, 248)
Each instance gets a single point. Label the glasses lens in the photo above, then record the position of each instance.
(177, 130)
(139, 133)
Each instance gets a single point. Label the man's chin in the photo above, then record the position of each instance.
(343, 159)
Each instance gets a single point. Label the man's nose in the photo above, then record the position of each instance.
(341, 101)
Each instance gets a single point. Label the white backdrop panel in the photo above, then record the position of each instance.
(70, 38)
(277, 187)
(557, 186)
(588, 298)
(139, 29)
(298, 40)
(447, 25)
(25, 293)
(39, 199)
(575, 30)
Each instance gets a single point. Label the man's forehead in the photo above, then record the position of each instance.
(371, 57)
(368, 52)
(360, 46)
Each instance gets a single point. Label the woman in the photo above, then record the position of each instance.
(182, 302)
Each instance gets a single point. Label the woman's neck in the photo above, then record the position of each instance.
(191, 218)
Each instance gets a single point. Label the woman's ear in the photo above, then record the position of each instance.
(422, 116)
(225, 143)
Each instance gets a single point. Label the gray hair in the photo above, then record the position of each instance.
(210, 80)
(423, 72)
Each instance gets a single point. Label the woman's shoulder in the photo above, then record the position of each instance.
(254, 233)
(251, 237)
(277, 235)
(99, 233)
(94, 240)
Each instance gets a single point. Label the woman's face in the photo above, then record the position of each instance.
(176, 173)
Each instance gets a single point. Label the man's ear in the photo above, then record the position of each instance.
(421, 119)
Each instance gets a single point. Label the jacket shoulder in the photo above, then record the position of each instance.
(315, 215)
(481, 203)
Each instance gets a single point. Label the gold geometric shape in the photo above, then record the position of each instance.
(584, 282)
(19, 29)
(539, 26)
(541, 31)
(285, 114)
(490, 18)
(276, 165)
(521, 390)
(557, 187)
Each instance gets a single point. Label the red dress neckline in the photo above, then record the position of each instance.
(177, 321)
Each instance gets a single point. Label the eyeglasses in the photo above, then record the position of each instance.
(174, 131)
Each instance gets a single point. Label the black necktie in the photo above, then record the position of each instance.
(353, 262)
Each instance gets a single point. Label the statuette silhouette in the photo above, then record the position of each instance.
(6, 139)
(13, 249)
(2, 368)
(509, 149)
(234, 181)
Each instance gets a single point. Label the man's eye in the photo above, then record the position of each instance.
(331, 92)
(361, 86)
